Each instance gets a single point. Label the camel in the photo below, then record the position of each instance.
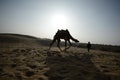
(63, 34)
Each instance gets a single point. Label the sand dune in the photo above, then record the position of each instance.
(25, 58)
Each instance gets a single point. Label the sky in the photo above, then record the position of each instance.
(97, 21)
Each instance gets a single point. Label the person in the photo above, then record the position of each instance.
(88, 46)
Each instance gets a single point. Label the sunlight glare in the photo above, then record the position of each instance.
(59, 21)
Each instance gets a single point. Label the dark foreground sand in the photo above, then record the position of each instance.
(41, 64)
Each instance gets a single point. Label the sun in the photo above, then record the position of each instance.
(59, 21)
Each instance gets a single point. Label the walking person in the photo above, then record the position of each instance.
(88, 46)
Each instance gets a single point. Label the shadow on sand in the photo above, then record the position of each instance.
(72, 67)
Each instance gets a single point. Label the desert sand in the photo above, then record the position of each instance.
(25, 58)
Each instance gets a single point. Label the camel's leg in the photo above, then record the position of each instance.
(65, 45)
(58, 45)
(52, 43)
(69, 44)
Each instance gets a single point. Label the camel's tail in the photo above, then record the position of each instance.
(74, 39)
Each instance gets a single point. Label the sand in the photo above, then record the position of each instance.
(74, 64)
(31, 61)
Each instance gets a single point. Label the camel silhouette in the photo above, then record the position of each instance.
(63, 34)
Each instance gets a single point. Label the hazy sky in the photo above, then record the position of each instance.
(97, 21)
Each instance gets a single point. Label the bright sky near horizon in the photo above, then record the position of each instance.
(97, 21)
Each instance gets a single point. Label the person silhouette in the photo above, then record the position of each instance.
(88, 46)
